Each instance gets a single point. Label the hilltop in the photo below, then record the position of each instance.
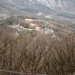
(21, 24)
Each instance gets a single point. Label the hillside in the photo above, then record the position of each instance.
(37, 37)
(32, 45)
(51, 9)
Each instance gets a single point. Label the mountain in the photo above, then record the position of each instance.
(61, 5)
(52, 9)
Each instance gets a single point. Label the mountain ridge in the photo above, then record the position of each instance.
(51, 9)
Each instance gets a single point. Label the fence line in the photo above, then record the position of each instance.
(18, 73)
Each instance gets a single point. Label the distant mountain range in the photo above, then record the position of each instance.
(52, 9)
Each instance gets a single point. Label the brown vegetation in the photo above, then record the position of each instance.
(37, 53)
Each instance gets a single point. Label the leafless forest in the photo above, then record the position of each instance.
(37, 54)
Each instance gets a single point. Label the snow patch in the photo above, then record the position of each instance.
(10, 1)
(39, 14)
